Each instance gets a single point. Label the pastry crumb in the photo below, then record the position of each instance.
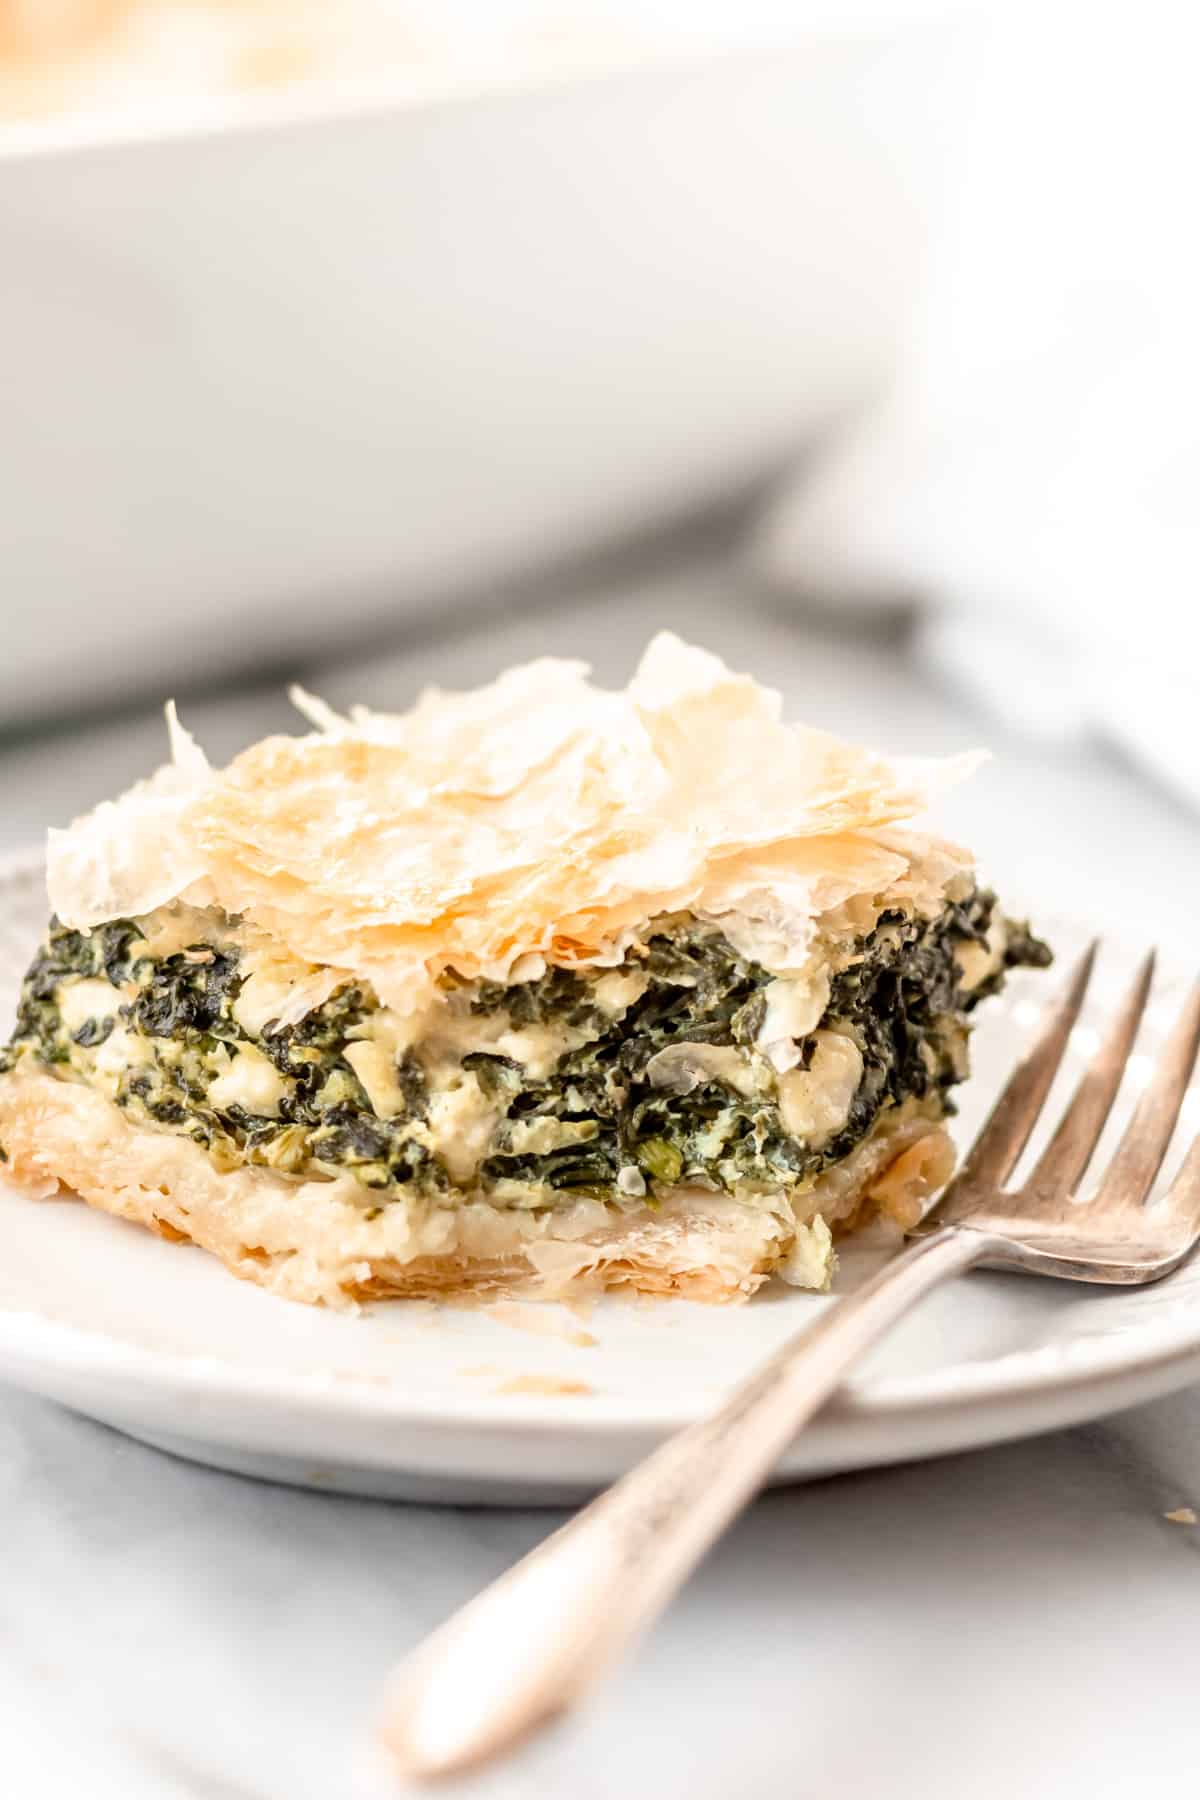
(542, 1320)
(544, 1384)
(1183, 1515)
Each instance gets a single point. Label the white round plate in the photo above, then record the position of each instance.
(521, 1402)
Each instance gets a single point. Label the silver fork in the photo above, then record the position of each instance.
(526, 1648)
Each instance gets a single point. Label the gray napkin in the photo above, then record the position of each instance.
(1032, 476)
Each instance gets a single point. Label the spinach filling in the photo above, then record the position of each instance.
(600, 1121)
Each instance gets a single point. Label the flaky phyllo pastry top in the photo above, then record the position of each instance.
(537, 820)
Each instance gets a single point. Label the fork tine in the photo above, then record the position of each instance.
(994, 1154)
(1183, 1197)
(1139, 1155)
(1069, 1151)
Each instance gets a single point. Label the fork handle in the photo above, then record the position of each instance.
(528, 1646)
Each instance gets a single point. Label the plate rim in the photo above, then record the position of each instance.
(39, 1342)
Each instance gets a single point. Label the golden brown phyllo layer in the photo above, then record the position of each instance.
(537, 985)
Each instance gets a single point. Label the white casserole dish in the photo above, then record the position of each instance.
(277, 368)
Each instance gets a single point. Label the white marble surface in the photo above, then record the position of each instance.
(1022, 1619)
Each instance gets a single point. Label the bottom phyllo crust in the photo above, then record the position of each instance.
(314, 1241)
